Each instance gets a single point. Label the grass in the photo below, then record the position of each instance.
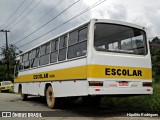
(136, 103)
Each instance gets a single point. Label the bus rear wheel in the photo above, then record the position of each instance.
(50, 97)
(24, 97)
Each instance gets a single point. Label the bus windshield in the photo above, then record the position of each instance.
(119, 38)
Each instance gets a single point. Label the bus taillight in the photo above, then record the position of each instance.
(147, 84)
(95, 83)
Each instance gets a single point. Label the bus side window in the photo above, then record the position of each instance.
(77, 43)
(82, 34)
(16, 68)
(62, 48)
(21, 63)
(54, 50)
(73, 38)
(44, 54)
(35, 58)
(26, 61)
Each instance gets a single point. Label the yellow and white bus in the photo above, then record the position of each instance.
(97, 58)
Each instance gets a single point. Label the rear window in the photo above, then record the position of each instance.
(120, 39)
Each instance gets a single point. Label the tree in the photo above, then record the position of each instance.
(155, 56)
(2, 72)
(12, 53)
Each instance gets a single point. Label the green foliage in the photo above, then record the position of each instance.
(12, 53)
(2, 71)
(155, 56)
(136, 103)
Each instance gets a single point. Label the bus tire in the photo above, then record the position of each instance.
(24, 97)
(50, 99)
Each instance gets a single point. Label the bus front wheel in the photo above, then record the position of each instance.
(50, 97)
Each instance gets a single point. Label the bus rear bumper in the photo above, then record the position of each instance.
(120, 91)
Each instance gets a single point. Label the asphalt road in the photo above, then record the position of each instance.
(12, 102)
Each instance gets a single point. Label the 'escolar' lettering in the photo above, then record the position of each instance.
(124, 72)
(40, 76)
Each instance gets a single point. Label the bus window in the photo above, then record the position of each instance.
(77, 50)
(16, 68)
(21, 58)
(21, 66)
(21, 63)
(119, 38)
(54, 50)
(73, 37)
(26, 65)
(82, 34)
(30, 55)
(44, 54)
(26, 61)
(77, 43)
(62, 48)
(35, 58)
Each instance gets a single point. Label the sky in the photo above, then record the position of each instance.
(29, 21)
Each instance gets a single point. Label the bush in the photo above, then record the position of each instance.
(136, 103)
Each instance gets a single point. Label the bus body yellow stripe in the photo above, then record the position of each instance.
(89, 71)
(98, 71)
(63, 74)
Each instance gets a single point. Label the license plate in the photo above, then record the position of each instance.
(123, 83)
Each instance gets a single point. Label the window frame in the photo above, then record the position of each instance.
(78, 41)
(56, 40)
(144, 40)
(46, 53)
(37, 51)
(64, 46)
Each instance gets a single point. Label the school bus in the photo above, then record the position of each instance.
(97, 58)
